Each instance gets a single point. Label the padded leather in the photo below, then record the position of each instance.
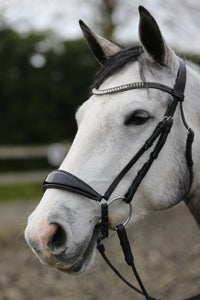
(63, 180)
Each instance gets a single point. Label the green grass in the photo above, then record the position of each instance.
(22, 191)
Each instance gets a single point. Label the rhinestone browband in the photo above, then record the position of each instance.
(131, 86)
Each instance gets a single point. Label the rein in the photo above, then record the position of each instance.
(61, 179)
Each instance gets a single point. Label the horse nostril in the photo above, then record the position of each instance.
(57, 244)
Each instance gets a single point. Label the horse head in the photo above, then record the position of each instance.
(63, 229)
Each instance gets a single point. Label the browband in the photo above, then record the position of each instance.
(177, 91)
(132, 86)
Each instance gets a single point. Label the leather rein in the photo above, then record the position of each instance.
(63, 180)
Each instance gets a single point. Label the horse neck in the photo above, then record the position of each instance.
(192, 114)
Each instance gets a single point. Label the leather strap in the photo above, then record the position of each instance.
(179, 86)
(128, 256)
(149, 142)
(145, 168)
(63, 180)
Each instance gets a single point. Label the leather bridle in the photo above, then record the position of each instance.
(63, 180)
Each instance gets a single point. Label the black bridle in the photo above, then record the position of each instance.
(60, 179)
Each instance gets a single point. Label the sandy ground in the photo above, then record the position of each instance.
(166, 248)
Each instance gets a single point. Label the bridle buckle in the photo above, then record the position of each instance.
(108, 219)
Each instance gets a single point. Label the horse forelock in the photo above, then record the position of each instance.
(116, 62)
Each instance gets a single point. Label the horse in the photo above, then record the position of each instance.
(137, 92)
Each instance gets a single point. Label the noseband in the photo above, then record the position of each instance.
(63, 180)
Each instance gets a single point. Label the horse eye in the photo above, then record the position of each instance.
(138, 117)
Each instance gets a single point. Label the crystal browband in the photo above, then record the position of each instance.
(131, 86)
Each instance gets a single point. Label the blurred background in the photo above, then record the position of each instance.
(45, 73)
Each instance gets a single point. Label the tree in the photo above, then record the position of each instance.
(107, 24)
(40, 91)
(104, 11)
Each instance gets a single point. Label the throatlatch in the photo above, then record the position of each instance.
(61, 179)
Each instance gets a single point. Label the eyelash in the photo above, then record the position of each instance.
(138, 117)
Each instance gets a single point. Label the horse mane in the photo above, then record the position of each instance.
(115, 63)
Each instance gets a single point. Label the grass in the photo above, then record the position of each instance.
(21, 191)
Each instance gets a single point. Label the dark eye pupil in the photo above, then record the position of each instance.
(137, 118)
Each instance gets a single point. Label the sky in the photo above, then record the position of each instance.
(179, 20)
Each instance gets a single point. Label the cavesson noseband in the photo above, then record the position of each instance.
(61, 179)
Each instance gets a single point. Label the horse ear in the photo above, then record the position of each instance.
(100, 47)
(151, 37)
